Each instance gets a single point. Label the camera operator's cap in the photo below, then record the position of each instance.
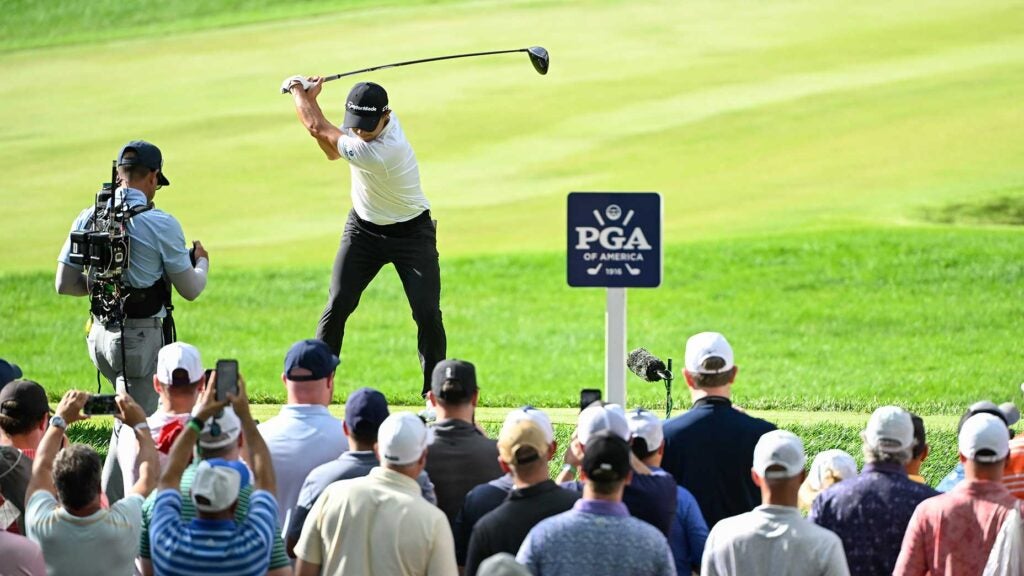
(365, 410)
(8, 372)
(310, 355)
(606, 457)
(522, 443)
(366, 103)
(535, 415)
(645, 425)
(24, 400)
(890, 429)
(147, 155)
(453, 380)
(704, 346)
(217, 483)
(610, 417)
(179, 364)
(228, 428)
(984, 438)
(779, 448)
(402, 438)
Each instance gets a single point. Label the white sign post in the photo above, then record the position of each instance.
(614, 242)
(615, 347)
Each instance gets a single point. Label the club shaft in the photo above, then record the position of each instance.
(374, 68)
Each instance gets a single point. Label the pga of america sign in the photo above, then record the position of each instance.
(614, 239)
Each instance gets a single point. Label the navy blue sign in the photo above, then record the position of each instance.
(614, 239)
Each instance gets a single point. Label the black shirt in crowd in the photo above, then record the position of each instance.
(504, 528)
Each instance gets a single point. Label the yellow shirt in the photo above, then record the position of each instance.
(378, 525)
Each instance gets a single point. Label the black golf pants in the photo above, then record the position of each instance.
(365, 248)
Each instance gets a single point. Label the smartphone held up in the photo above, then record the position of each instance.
(227, 379)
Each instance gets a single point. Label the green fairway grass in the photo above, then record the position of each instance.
(814, 160)
(843, 320)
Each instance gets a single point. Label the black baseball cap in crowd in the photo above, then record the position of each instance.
(366, 103)
(606, 458)
(453, 380)
(147, 155)
(312, 355)
(24, 400)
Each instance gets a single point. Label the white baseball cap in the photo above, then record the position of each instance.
(596, 419)
(646, 425)
(220, 430)
(700, 347)
(532, 414)
(178, 356)
(217, 483)
(779, 448)
(890, 429)
(840, 463)
(984, 432)
(402, 438)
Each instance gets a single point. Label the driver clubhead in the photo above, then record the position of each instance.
(539, 58)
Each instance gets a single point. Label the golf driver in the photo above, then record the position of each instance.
(538, 57)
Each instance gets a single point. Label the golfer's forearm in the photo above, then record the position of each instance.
(310, 114)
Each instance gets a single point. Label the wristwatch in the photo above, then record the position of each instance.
(58, 422)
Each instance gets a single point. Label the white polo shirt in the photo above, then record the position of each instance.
(385, 175)
(300, 438)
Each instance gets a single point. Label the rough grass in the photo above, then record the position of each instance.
(836, 321)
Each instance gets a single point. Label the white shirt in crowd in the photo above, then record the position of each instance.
(773, 540)
(104, 543)
(385, 175)
(128, 445)
(300, 438)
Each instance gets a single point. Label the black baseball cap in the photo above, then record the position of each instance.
(366, 103)
(606, 458)
(24, 399)
(365, 410)
(313, 355)
(147, 155)
(453, 380)
(8, 372)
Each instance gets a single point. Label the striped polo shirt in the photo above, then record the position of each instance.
(203, 546)
(278, 557)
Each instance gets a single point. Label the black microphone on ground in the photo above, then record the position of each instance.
(647, 366)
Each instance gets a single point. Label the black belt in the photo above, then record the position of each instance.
(396, 229)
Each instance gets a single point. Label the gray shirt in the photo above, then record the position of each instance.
(460, 458)
(347, 466)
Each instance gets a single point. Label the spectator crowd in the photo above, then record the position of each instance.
(203, 488)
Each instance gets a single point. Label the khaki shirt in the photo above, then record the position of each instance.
(378, 525)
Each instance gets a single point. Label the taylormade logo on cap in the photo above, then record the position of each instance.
(352, 106)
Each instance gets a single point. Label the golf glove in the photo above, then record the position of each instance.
(292, 80)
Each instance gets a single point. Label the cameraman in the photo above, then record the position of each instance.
(157, 253)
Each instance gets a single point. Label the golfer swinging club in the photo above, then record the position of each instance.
(390, 216)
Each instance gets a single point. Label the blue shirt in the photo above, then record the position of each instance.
(157, 242)
(212, 546)
(689, 533)
(596, 538)
(870, 514)
(955, 476)
(479, 501)
(709, 450)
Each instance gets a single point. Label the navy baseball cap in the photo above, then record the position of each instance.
(453, 380)
(313, 355)
(365, 410)
(24, 399)
(366, 103)
(147, 155)
(8, 372)
(606, 458)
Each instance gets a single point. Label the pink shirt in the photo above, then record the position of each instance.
(21, 556)
(953, 533)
